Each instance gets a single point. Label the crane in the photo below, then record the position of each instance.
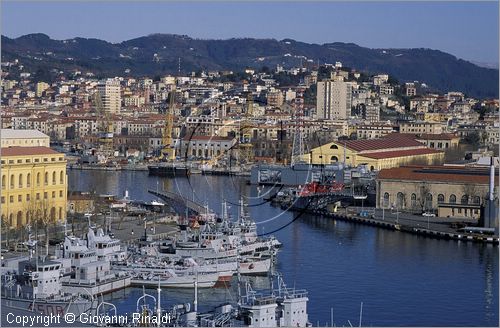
(245, 144)
(168, 150)
(105, 129)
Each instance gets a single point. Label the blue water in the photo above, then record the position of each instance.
(401, 279)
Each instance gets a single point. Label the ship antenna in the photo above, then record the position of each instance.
(158, 306)
(238, 258)
(360, 314)
(195, 303)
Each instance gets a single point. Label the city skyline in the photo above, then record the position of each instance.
(465, 30)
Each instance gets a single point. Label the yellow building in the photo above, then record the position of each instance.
(392, 151)
(34, 185)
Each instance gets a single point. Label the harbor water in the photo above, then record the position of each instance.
(401, 279)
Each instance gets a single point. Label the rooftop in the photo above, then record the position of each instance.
(383, 143)
(23, 151)
(452, 174)
(21, 134)
(401, 153)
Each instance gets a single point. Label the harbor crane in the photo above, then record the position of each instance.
(245, 145)
(168, 149)
(105, 128)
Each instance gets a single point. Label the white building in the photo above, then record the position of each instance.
(333, 100)
(109, 90)
(23, 138)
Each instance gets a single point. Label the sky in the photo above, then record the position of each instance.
(468, 30)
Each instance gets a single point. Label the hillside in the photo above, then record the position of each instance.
(158, 54)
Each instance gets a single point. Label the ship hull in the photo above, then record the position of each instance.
(46, 307)
(170, 171)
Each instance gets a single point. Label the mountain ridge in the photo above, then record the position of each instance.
(158, 53)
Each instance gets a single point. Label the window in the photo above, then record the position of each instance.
(413, 200)
(60, 193)
(46, 178)
(453, 199)
(28, 197)
(20, 180)
(38, 179)
(45, 195)
(440, 198)
(19, 198)
(11, 199)
(53, 178)
(12, 181)
(334, 146)
(61, 177)
(4, 178)
(476, 200)
(28, 180)
(386, 198)
(3, 200)
(465, 199)
(37, 196)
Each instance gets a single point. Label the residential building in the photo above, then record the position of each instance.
(34, 185)
(419, 127)
(333, 100)
(40, 88)
(275, 98)
(109, 90)
(410, 89)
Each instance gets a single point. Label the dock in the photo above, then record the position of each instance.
(444, 232)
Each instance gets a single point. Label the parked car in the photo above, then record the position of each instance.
(429, 214)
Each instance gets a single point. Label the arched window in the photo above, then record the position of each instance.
(38, 179)
(60, 213)
(334, 159)
(54, 178)
(440, 198)
(386, 199)
(465, 199)
(11, 219)
(476, 200)
(53, 213)
(334, 146)
(453, 199)
(12, 181)
(46, 178)
(20, 181)
(19, 222)
(400, 201)
(61, 177)
(3, 181)
(28, 180)
(413, 200)
(428, 201)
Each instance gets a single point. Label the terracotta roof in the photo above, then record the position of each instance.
(456, 174)
(401, 153)
(383, 143)
(21, 151)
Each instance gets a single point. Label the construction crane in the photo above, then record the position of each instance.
(168, 149)
(245, 139)
(105, 128)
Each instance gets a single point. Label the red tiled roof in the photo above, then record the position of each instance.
(21, 151)
(383, 143)
(457, 174)
(401, 153)
(440, 136)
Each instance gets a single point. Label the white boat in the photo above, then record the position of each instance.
(170, 279)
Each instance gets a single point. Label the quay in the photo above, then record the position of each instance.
(416, 227)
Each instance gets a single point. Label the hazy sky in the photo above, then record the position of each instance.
(468, 30)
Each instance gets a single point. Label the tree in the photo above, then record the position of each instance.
(423, 191)
(41, 213)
